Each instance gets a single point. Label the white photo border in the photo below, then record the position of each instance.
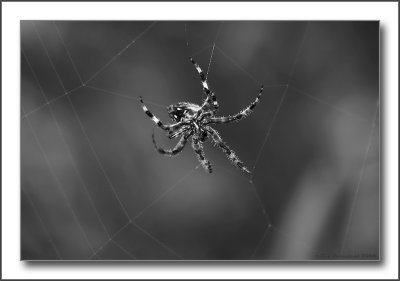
(13, 12)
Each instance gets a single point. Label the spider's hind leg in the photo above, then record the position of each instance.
(171, 152)
(198, 149)
(229, 152)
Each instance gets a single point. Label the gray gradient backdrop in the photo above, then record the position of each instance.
(93, 187)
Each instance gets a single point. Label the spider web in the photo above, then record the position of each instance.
(93, 180)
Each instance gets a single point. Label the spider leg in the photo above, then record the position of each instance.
(155, 119)
(205, 115)
(171, 152)
(242, 114)
(198, 149)
(177, 131)
(211, 99)
(229, 152)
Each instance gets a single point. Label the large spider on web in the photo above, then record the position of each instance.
(192, 120)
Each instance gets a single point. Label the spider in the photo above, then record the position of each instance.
(192, 120)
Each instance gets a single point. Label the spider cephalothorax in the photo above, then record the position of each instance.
(193, 121)
(182, 110)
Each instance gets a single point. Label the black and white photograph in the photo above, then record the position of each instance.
(200, 140)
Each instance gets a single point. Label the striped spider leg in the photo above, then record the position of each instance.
(217, 140)
(178, 147)
(193, 121)
(211, 98)
(170, 128)
(242, 114)
(197, 146)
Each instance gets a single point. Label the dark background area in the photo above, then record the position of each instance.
(93, 187)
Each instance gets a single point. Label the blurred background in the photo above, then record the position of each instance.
(93, 187)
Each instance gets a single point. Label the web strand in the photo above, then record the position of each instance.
(360, 177)
(102, 168)
(125, 251)
(244, 178)
(201, 50)
(68, 53)
(48, 56)
(158, 241)
(98, 159)
(209, 63)
(213, 47)
(124, 96)
(332, 106)
(68, 148)
(83, 130)
(49, 102)
(240, 174)
(238, 65)
(46, 231)
(165, 193)
(25, 115)
(119, 53)
(283, 96)
(58, 184)
(297, 54)
(109, 240)
(273, 121)
(270, 128)
(265, 233)
(88, 140)
(186, 37)
(265, 213)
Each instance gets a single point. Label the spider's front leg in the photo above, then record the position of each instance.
(156, 120)
(242, 114)
(229, 152)
(211, 100)
(198, 149)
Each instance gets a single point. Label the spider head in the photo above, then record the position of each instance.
(176, 112)
(182, 110)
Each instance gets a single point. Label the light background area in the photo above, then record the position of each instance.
(386, 12)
